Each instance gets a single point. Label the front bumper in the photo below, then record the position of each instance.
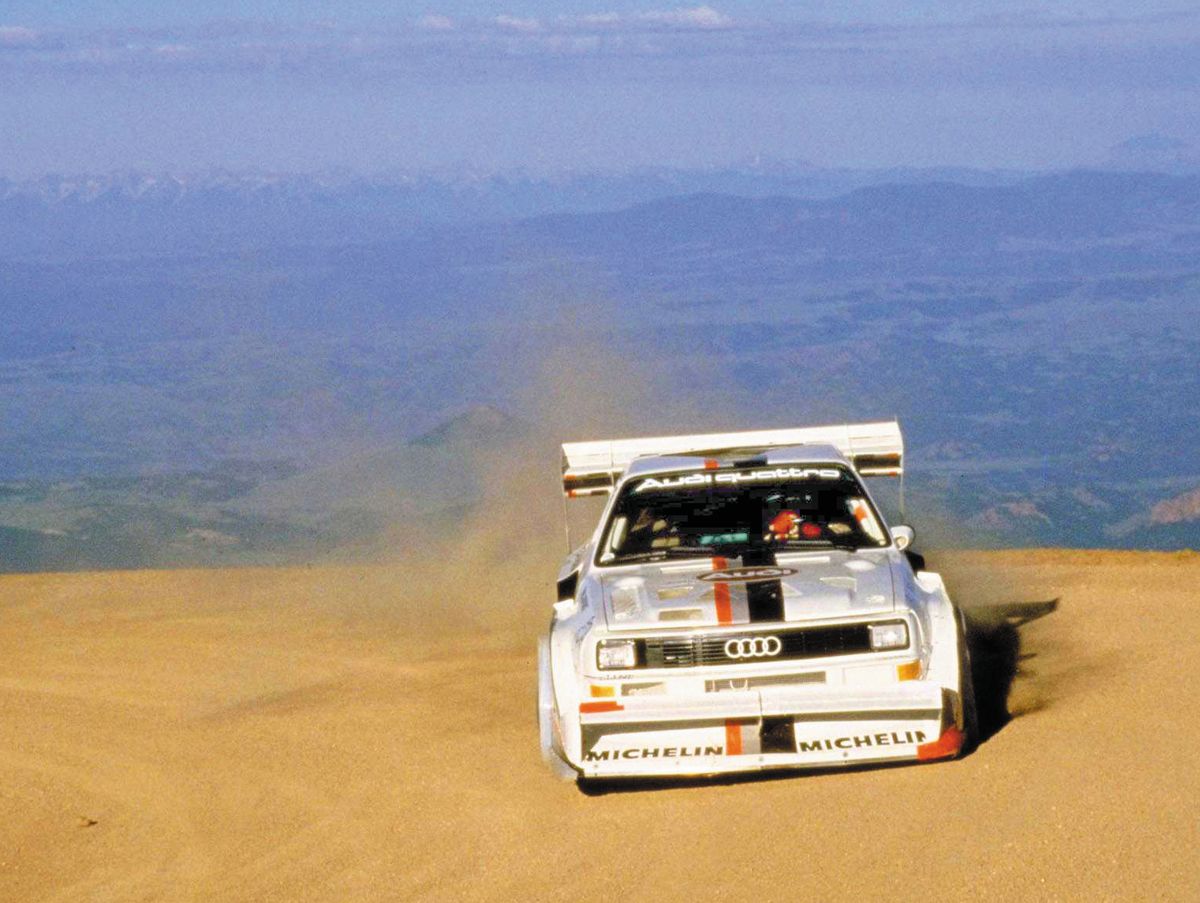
(769, 727)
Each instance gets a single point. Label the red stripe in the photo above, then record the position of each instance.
(721, 594)
(607, 705)
(711, 464)
(733, 738)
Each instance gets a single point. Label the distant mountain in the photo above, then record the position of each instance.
(141, 214)
(1155, 152)
(1180, 509)
(239, 512)
(477, 426)
(1049, 213)
(215, 259)
(1172, 522)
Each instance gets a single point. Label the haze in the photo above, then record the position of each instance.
(375, 86)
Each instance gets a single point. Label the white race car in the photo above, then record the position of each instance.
(742, 606)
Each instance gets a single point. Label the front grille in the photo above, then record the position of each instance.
(796, 643)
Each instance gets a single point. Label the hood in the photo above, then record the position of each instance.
(708, 592)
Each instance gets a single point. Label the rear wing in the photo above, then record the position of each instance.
(592, 468)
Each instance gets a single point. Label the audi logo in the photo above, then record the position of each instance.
(747, 575)
(753, 647)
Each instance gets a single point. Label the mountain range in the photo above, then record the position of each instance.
(1035, 335)
(152, 213)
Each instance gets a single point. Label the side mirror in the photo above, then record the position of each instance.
(566, 586)
(903, 536)
(566, 604)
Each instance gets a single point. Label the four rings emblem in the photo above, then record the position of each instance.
(753, 647)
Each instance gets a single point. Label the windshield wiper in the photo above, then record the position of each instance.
(631, 557)
(669, 552)
(848, 545)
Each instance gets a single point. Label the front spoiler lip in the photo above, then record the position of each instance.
(894, 725)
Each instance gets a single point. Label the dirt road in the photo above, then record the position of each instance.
(368, 733)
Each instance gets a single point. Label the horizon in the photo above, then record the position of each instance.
(471, 84)
(1150, 162)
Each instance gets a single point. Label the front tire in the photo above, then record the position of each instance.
(551, 754)
(966, 690)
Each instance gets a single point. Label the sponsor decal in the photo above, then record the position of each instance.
(702, 479)
(712, 539)
(603, 705)
(652, 752)
(889, 738)
(746, 574)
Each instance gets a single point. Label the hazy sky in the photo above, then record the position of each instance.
(372, 85)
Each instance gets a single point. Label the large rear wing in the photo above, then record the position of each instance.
(592, 468)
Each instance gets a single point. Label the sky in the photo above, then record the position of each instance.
(474, 85)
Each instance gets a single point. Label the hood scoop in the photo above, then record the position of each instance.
(667, 593)
(841, 582)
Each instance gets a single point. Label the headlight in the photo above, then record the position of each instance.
(889, 636)
(616, 654)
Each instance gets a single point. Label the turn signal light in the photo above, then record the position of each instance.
(909, 670)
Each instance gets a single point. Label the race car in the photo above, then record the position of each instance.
(742, 605)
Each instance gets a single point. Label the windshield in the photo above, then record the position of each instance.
(736, 512)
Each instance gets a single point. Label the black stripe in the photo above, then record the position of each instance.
(777, 735)
(764, 598)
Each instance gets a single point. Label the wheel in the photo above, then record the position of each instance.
(546, 739)
(966, 690)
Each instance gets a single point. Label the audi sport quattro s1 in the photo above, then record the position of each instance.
(742, 605)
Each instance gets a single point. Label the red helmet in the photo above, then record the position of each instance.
(783, 523)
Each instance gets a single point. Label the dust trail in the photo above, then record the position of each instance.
(495, 563)
(492, 565)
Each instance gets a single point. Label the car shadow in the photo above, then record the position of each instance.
(994, 641)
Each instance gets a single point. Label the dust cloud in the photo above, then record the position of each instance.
(495, 562)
